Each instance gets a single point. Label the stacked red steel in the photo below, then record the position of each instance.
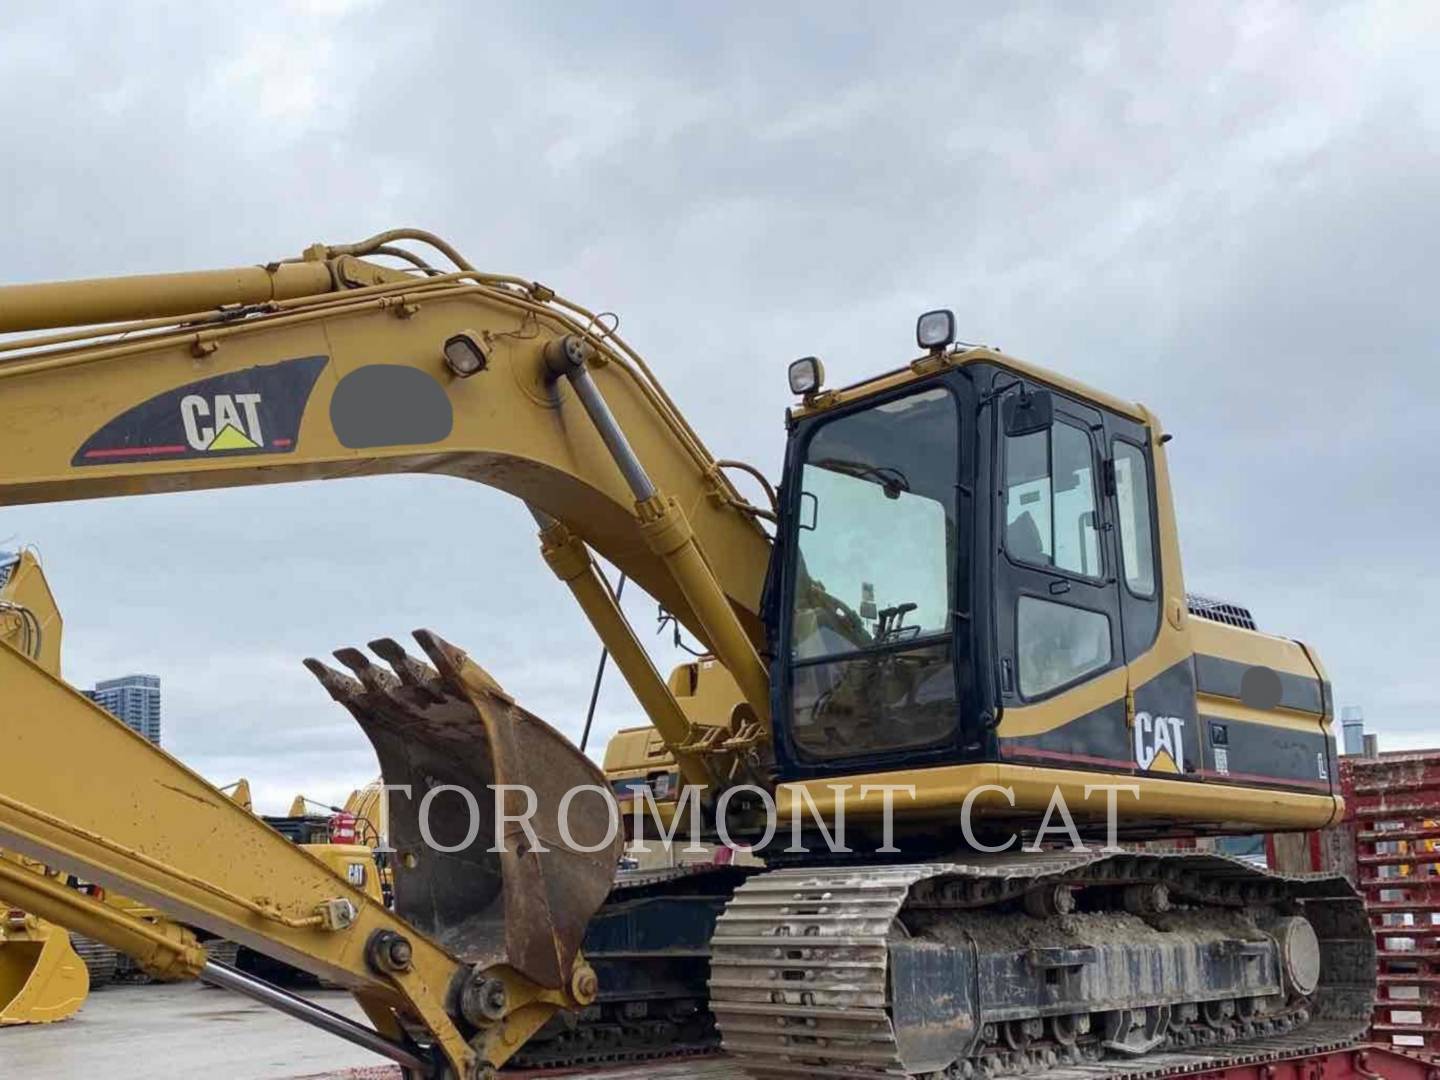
(1393, 813)
(1364, 1063)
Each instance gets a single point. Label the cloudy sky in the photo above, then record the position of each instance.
(1227, 212)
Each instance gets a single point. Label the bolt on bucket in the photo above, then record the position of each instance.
(458, 742)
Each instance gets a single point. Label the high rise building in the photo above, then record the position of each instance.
(1352, 729)
(135, 699)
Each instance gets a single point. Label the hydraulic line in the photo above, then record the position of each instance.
(599, 678)
(32, 636)
(668, 532)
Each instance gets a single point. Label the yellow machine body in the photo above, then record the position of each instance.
(333, 366)
(42, 978)
(353, 862)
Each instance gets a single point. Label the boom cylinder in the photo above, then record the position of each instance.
(54, 304)
(668, 532)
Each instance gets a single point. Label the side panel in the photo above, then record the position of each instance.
(1181, 735)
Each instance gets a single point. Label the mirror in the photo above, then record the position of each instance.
(1027, 412)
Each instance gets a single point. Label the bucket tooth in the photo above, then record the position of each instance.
(458, 669)
(417, 675)
(448, 737)
(359, 663)
(377, 680)
(337, 684)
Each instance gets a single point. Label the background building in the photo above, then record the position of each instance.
(135, 699)
(1352, 729)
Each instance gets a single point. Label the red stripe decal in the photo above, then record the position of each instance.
(1013, 753)
(282, 442)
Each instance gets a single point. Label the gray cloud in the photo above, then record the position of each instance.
(1225, 213)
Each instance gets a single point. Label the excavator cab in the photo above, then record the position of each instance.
(976, 567)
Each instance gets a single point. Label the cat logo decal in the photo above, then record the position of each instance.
(256, 410)
(1160, 743)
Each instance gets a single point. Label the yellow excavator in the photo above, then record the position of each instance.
(45, 972)
(959, 624)
(344, 838)
(42, 977)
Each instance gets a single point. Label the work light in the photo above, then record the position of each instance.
(935, 329)
(465, 355)
(806, 375)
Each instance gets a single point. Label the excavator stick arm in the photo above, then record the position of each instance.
(167, 838)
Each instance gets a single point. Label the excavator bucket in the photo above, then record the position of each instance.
(42, 978)
(462, 748)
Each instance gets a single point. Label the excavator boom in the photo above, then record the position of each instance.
(326, 367)
(333, 367)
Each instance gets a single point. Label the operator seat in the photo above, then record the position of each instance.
(1022, 540)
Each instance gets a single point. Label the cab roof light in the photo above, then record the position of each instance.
(806, 376)
(935, 330)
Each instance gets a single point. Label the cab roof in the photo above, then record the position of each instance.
(931, 363)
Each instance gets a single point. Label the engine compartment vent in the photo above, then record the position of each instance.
(1221, 611)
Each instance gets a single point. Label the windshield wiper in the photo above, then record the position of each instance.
(891, 479)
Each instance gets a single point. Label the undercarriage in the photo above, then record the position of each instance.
(1036, 965)
(1052, 965)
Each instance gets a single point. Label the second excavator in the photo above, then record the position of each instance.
(43, 978)
(959, 624)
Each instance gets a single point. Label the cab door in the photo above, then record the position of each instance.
(1165, 732)
(1059, 629)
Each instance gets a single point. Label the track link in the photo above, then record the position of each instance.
(801, 976)
(101, 961)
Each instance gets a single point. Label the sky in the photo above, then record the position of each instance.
(1224, 211)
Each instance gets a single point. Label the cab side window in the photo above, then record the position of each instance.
(1132, 504)
(1050, 517)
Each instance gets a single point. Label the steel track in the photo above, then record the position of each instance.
(799, 965)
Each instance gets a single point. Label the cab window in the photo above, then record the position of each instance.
(1050, 500)
(1132, 504)
(873, 579)
(1057, 644)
